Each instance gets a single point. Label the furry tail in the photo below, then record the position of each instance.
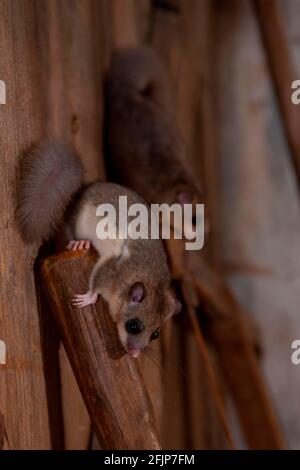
(138, 71)
(50, 174)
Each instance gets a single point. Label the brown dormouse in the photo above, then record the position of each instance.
(131, 275)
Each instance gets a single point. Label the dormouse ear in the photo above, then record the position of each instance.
(137, 293)
(185, 197)
(178, 307)
(175, 310)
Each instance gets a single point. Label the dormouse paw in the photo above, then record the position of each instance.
(82, 300)
(79, 245)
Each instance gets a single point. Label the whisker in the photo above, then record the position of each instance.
(149, 353)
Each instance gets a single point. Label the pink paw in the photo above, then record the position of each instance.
(82, 300)
(79, 245)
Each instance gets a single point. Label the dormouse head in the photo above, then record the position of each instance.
(187, 193)
(145, 309)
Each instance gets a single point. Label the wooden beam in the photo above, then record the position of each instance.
(188, 58)
(235, 347)
(23, 406)
(74, 41)
(127, 33)
(282, 71)
(109, 381)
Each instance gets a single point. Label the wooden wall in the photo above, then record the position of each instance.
(53, 58)
(258, 223)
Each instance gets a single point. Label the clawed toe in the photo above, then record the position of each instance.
(83, 300)
(78, 245)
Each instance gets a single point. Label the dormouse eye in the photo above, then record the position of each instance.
(134, 327)
(154, 335)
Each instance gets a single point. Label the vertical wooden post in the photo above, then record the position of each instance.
(189, 66)
(283, 72)
(74, 44)
(109, 379)
(23, 406)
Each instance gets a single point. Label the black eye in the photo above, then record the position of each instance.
(154, 335)
(134, 327)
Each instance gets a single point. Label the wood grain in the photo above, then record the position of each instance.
(110, 383)
(187, 55)
(74, 45)
(179, 37)
(23, 402)
(283, 72)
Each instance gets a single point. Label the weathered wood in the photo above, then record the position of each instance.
(74, 43)
(182, 50)
(178, 35)
(126, 33)
(124, 23)
(191, 300)
(235, 348)
(282, 70)
(23, 405)
(50, 347)
(76, 420)
(110, 383)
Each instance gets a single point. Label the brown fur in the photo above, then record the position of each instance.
(146, 264)
(144, 141)
(48, 195)
(50, 174)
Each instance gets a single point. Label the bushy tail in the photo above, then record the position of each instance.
(50, 174)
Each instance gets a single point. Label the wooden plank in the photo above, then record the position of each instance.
(76, 420)
(179, 36)
(50, 347)
(282, 71)
(188, 59)
(234, 344)
(23, 405)
(124, 26)
(74, 41)
(126, 33)
(75, 48)
(109, 380)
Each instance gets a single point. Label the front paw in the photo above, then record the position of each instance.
(79, 245)
(83, 300)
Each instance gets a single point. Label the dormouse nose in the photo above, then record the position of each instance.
(134, 352)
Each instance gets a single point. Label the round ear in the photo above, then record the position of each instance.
(137, 293)
(185, 197)
(178, 307)
(175, 310)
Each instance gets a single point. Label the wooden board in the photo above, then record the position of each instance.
(23, 405)
(109, 380)
(74, 46)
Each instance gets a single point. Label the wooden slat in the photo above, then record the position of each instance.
(23, 406)
(188, 60)
(126, 33)
(110, 383)
(179, 37)
(74, 49)
(124, 23)
(282, 71)
(235, 348)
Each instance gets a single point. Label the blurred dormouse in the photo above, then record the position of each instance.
(145, 145)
